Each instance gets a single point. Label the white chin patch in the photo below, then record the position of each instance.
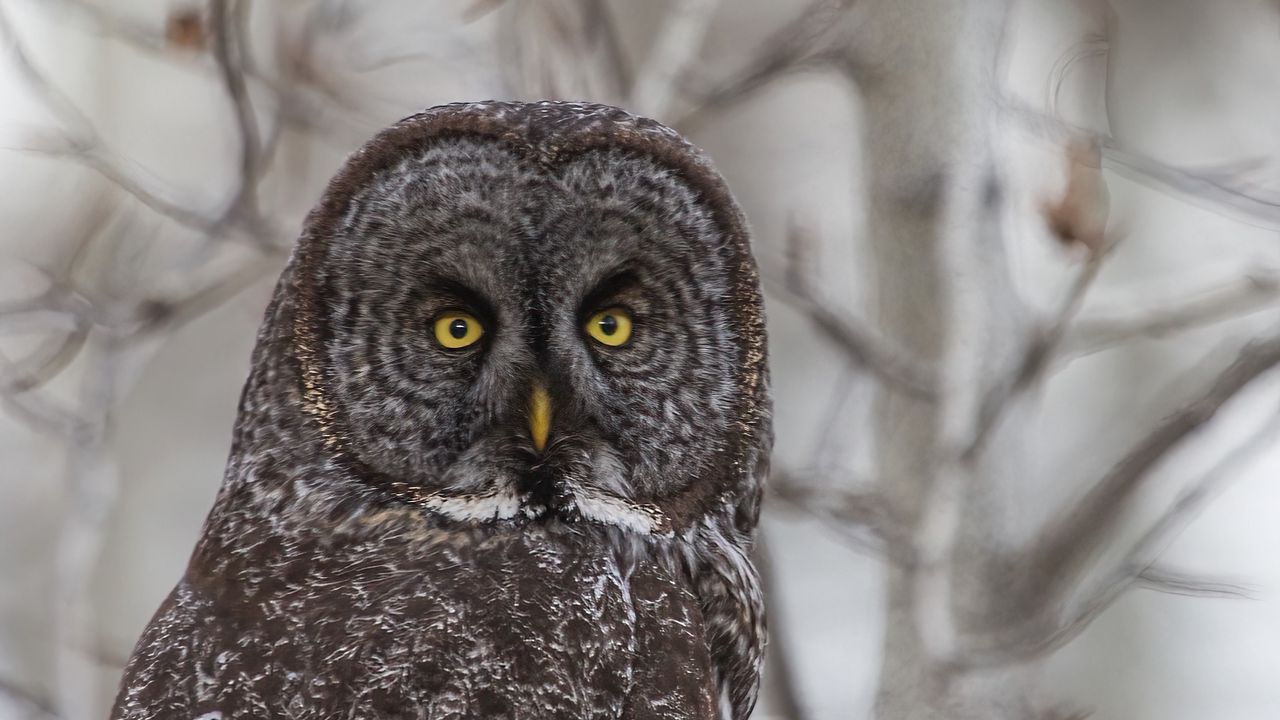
(591, 505)
(610, 510)
(498, 504)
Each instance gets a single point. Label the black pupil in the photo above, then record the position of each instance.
(608, 324)
(458, 328)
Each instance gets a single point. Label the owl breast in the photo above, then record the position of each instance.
(522, 622)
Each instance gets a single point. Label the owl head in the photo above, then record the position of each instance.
(508, 312)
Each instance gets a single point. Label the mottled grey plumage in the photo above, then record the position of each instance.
(388, 543)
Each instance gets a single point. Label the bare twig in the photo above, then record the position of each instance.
(809, 41)
(102, 329)
(82, 143)
(832, 435)
(1079, 218)
(167, 314)
(1092, 46)
(39, 367)
(300, 100)
(1059, 556)
(862, 345)
(601, 25)
(57, 102)
(91, 497)
(1041, 347)
(1174, 582)
(228, 18)
(549, 51)
(36, 706)
(1232, 191)
(1050, 627)
(862, 517)
(1227, 190)
(674, 49)
(38, 412)
(1104, 329)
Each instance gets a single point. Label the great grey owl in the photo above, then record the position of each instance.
(501, 451)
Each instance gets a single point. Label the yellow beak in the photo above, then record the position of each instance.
(539, 416)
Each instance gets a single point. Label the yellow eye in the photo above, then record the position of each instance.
(455, 329)
(610, 327)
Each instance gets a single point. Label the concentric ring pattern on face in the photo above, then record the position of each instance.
(532, 253)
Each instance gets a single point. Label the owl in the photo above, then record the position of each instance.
(501, 449)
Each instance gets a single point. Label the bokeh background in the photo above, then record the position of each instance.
(156, 159)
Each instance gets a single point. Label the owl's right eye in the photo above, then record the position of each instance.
(456, 330)
(610, 327)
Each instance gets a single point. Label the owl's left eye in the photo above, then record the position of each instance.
(610, 327)
(456, 330)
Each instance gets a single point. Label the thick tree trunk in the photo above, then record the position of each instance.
(928, 81)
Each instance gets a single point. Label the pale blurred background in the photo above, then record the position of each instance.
(141, 241)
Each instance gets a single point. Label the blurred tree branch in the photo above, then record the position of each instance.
(673, 52)
(814, 39)
(35, 706)
(1229, 189)
(862, 344)
(1051, 628)
(1106, 328)
(1059, 557)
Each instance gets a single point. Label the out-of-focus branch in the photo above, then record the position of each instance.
(1103, 329)
(227, 18)
(1051, 626)
(833, 437)
(164, 314)
(862, 518)
(1040, 350)
(145, 318)
(811, 40)
(51, 357)
(549, 51)
(65, 318)
(1174, 582)
(300, 96)
(36, 411)
(601, 25)
(1229, 189)
(112, 168)
(1059, 556)
(57, 102)
(36, 707)
(83, 532)
(1078, 218)
(81, 142)
(673, 51)
(861, 344)
(1092, 46)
